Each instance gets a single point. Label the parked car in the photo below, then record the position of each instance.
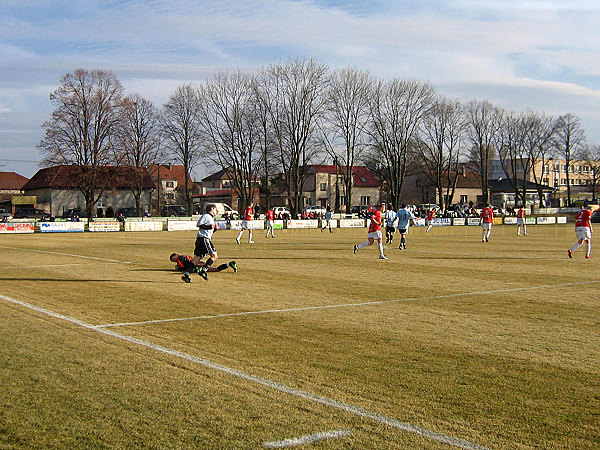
(32, 213)
(281, 212)
(130, 212)
(4, 214)
(70, 213)
(223, 209)
(313, 211)
(173, 211)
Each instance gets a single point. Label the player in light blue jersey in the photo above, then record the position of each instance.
(390, 224)
(405, 218)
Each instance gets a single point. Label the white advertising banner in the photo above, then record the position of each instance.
(221, 224)
(510, 221)
(333, 223)
(104, 226)
(181, 225)
(17, 227)
(473, 220)
(531, 221)
(143, 225)
(419, 222)
(459, 221)
(278, 224)
(546, 220)
(252, 224)
(442, 222)
(349, 223)
(61, 227)
(310, 223)
(235, 225)
(561, 220)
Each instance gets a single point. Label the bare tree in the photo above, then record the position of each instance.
(396, 111)
(181, 131)
(591, 155)
(344, 127)
(82, 129)
(484, 123)
(231, 130)
(293, 94)
(569, 139)
(539, 131)
(441, 146)
(139, 142)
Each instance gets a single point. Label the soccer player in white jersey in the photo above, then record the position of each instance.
(390, 227)
(405, 218)
(204, 246)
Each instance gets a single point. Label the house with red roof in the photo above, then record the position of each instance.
(325, 182)
(219, 188)
(11, 187)
(170, 183)
(57, 189)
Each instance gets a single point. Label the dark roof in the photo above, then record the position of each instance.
(464, 180)
(214, 193)
(363, 177)
(12, 181)
(68, 177)
(504, 185)
(224, 174)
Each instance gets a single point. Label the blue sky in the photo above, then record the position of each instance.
(542, 55)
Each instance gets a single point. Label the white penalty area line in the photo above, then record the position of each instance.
(66, 254)
(349, 305)
(310, 439)
(44, 265)
(315, 398)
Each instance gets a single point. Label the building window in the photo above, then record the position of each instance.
(307, 201)
(546, 181)
(578, 169)
(464, 198)
(563, 181)
(365, 200)
(571, 181)
(170, 184)
(323, 186)
(546, 169)
(170, 196)
(571, 169)
(556, 167)
(342, 201)
(564, 169)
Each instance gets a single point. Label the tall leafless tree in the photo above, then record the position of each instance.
(231, 131)
(82, 129)
(441, 147)
(396, 111)
(293, 94)
(181, 131)
(539, 130)
(344, 126)
(484, 121)
(591, 156)
(569, 139)
(139, 142)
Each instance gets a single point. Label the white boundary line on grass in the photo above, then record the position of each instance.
(44, 265)
(310, 439)
(346, 407)
(65, 254)
(349, 305)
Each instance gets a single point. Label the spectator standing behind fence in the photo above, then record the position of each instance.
(584, 230)
(521, 221)
(246, 224)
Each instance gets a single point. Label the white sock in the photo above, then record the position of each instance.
(575, 247)
(363, 244)
(588, 248)
(380, 245)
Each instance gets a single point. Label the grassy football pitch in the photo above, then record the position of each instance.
(451, 342)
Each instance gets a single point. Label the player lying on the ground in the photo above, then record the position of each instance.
(185, 263)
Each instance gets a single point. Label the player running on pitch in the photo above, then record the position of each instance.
(390, 224)
(185, 263)
(405, 219)
(246, 224)
(374, 232)
(486, 218)
(584, 230)
(429, 219)
(521, 221)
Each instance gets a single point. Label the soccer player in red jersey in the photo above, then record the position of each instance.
(521, 221)
(584, 230)
(374, 232)
(486, 219)
(429, 219)
(246, 224)
(185, 263)
(270, 218)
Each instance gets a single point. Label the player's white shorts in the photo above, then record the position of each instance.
(375, 235)
(269, 224)
(520, 221)
(583, 233)
(487, 226)
(246, 224)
